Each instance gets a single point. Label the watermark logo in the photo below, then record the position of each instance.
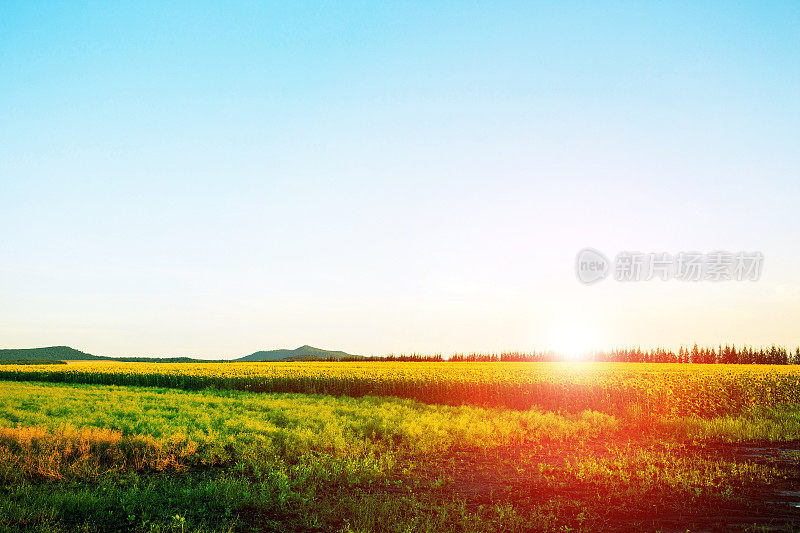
(592, 266)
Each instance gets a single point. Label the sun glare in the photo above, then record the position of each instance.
(574, 343)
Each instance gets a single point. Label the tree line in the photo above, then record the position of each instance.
(773, 355)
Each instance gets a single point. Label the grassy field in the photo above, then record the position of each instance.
(399, 447)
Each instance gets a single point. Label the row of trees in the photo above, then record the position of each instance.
(774, 355)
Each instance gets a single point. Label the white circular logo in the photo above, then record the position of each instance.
(591, 266)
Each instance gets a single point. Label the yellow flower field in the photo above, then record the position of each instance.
(646, 388)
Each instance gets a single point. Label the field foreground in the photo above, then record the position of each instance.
(399, 447)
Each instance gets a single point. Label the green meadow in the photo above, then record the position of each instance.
(85, 457)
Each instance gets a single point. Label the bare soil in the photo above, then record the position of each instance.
(515, 475)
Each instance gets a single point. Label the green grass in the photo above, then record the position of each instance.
(242, 461)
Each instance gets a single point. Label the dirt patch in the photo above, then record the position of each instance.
(539, 476)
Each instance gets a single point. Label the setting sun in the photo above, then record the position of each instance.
(574, 341)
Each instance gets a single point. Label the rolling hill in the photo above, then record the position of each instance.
(65, 353)
(303, 353)
(50, 353)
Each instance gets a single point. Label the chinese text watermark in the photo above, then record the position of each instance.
(592, 266)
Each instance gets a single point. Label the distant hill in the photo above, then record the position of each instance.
(65, 353)
(51, 353)
(303, 353)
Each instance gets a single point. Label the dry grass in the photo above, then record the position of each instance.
(85, 453)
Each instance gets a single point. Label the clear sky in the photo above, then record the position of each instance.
(210, 179)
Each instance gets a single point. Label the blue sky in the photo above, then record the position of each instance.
(212, 179)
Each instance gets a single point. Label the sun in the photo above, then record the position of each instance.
(574, 342)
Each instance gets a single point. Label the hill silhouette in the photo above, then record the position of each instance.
(303, 353)
(50, 353)
(65, 353)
